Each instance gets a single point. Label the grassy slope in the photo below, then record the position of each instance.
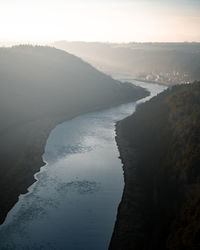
(160, 149)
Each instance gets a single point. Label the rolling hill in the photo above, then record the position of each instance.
(166, 63)
(39, 88)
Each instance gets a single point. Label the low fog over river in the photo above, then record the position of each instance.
(73, 204)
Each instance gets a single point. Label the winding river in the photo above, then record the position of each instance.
(73, 204)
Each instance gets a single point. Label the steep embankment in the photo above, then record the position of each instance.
(160, 150)
(39, 88)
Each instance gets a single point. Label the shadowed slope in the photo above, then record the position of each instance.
(39, 88)
(160, 149)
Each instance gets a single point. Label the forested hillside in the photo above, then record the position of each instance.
(169, 63)
(160, 149)
(39, 88)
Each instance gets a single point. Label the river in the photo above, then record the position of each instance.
(73, 204)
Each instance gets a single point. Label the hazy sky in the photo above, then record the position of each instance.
(99, 20)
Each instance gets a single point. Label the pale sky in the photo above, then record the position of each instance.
(99, 20)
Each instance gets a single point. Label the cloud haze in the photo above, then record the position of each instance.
(114, 21)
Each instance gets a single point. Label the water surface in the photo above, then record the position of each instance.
(74, 202)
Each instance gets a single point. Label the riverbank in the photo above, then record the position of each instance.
(129, 77)
(159, 148)
(16, 180)
(41, 87)
(80, 188)
(125, 234)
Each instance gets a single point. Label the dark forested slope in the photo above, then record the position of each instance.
(40, 87)
(160, 149)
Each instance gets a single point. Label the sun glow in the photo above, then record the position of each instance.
(96, 21)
